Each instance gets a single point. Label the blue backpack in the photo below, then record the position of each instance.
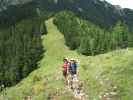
(73, 67)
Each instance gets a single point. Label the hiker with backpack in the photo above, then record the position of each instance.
(73, 67)
(73, 71)
(65, 69)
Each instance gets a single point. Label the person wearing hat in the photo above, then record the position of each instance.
(65, 68)
(73, 67)
(73, 70)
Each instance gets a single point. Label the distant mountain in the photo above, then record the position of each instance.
(5, 3)
(99, 12)
(16, 13)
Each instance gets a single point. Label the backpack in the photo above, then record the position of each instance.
(73, 67)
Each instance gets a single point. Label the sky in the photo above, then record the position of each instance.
(122, 3)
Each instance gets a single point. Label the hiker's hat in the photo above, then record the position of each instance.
(71, 59)
(65, 58)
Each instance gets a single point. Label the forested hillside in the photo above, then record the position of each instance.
(98, 12)
(14, 14)
(20, 50)
(89, 39)
(90, 28)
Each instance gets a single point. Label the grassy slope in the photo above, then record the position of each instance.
(99, 74)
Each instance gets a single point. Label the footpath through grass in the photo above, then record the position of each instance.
(103, 76)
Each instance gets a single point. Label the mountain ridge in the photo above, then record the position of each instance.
(99, 12)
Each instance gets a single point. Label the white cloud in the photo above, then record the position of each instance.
(122, 3)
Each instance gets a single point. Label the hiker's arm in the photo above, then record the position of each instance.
(78, 71)
(68, 67)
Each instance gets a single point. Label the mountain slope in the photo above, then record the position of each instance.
(99, 12)
(103, 74)
(5, 3)
(49, 67)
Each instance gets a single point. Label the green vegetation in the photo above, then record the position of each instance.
(102, 74)
(90, 39)
(109, 74)
(98, 12)
(14, 14)
(20, 50)
(88, 27)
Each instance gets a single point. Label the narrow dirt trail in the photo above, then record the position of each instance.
(76, 89)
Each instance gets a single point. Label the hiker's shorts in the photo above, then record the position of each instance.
(64, 73)
(72, 72)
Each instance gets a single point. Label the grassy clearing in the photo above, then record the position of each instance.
(102, 74)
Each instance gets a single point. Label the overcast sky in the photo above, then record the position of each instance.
(122, 3)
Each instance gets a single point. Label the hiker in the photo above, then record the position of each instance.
(65, 68)
(73, 71)
(73, 67)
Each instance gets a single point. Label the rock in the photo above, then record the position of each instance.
(100, 97)
(113, 93)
